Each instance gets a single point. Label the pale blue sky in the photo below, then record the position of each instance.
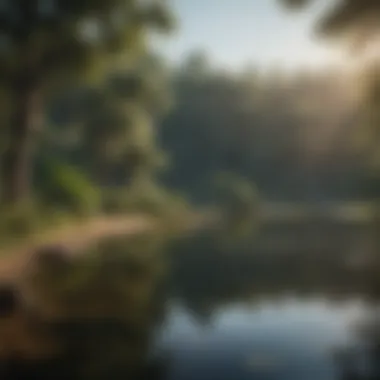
(236, 33)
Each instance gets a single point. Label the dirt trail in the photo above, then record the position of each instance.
(74, 238)
(77, 237)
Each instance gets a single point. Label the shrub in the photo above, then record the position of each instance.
(64, 186)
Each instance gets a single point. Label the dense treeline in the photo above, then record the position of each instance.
(296, 135)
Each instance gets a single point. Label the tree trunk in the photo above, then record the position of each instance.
(18, 157)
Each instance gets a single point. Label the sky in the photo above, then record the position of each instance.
(240, 33)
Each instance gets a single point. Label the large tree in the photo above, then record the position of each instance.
(43, 43)
(351, 19)
(109, 131)
(357, 23)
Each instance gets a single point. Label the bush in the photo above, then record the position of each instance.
(19, 220)
(239, 201)
(151, 199)
(64, 186)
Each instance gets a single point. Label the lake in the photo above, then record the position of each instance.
(201, 309)
(239, 317)
(268, 339)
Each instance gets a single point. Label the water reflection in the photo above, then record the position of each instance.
(204, 276)
(361, 361)
(294, 316)
(92, 319)
(216, 314)
(273, 340)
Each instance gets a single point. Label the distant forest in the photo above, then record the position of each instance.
(298, 136)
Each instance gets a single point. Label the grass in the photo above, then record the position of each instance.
(77, 235)
(32, 225)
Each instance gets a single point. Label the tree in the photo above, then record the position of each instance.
(114, 125)
(355, 19)
(239, 200)
(196, 66)
(267, 128)
(44, 42)
(358, 23)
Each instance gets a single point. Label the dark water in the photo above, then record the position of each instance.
(239, 316)
(200, 309)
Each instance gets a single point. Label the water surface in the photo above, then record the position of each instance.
(282, 339)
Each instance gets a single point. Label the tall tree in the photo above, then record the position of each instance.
(109, 131)
(43, 42)
(346, 18)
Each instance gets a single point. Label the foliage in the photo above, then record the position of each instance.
(64, 187)
(29, 220)
(61, 36)
(352, 16)
(46, 45)
(149, 198)
(356, 21)
(18, 221)
(295, 3)
(239, 201)
(115, 124)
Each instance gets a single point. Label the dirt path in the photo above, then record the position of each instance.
(75, 238)
(78, 237)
